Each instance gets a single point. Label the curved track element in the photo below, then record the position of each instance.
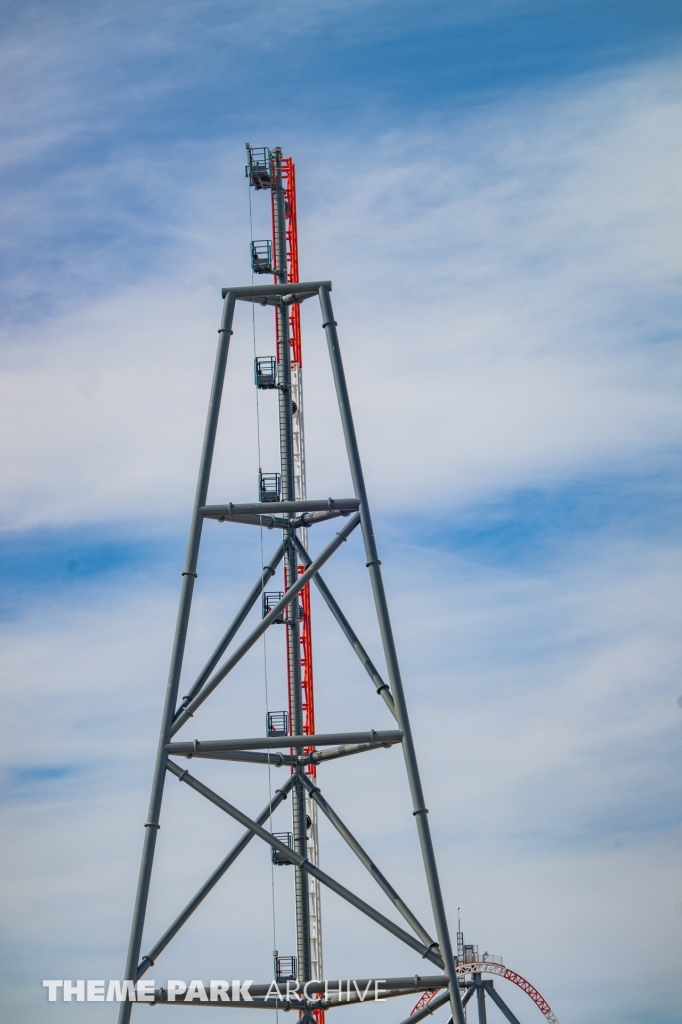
(502, 972)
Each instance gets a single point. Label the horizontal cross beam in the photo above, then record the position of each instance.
(272, 522)
(301, 289)
(406, 983)
(278, 759)
(194, 748)
(339, 993)
(273, 1003)
(270, 508)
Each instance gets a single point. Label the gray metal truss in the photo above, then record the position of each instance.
(289, 516)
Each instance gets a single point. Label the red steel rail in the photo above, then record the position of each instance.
(307, 681)
(502, 972)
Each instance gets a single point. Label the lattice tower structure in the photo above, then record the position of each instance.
(280, 509)
(286, 270)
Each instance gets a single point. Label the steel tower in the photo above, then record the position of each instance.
(283, 506)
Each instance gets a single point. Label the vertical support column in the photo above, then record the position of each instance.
(188, 577)
(388, 642)
(298, 793)
(480, 999)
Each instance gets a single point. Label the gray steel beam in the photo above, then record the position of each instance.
(301, 862)
(229, 635)
(394, 986)
(255, 291)
(272, 758)
(382, 688)
(188, 577)
(499, 1001)
(311, 518)
(480, 999)
(303, 1007)
(283, 1004)
(390, 654)
(267, 522)
(278, 760)
(271, 522)
(336, 997)
(269, 508)
(367, 862)
(194, 748)
(150, 958)
(436, 1004)
(256, 1004)
(346, 750)
(187, 712)
(467, 996)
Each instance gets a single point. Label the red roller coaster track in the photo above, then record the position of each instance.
(502, 972)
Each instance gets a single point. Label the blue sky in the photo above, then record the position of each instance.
(494, 190)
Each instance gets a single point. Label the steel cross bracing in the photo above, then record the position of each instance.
(300, 751)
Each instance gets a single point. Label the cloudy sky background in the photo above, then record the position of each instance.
(494, 190)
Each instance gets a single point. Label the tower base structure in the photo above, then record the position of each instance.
(295, 519)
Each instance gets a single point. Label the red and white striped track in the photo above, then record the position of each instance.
(501, 971)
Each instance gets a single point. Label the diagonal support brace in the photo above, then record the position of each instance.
(268, 572)
(435, 1004)
(367, 861)
(272, 616)
(382, 687)
(499, 1001)
(301, 862)
(170, 933)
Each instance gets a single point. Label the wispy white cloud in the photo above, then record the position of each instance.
(544, 709)
(531, 330)
(504, 279)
